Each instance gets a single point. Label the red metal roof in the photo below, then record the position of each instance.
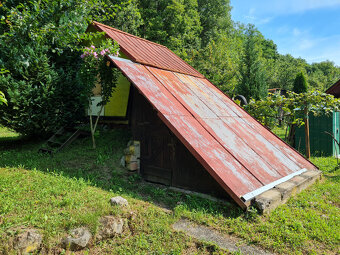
(241, 154)
(334, 89)
(146, 52)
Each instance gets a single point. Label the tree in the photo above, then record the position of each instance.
(253, 80)
(322, 75)
(219, 62)
(175, 24)
(269, 49)
(215, 19)
(120, 14)
(42, 41)
(300, 83)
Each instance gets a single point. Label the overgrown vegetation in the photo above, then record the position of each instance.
(42, 40)
(95, 71)
(40, 68)
(73, 188)
(291, 108)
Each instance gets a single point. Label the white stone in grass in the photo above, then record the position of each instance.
(109, 226)
(120, 201)
(79, 239)
(29, 240)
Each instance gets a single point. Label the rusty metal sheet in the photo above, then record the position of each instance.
(146, 52)
(232, 175)
(228, 172)
(181, 92)
(253, 162)
(259, 157)
(256, 128)
(206, 95)
(236, 150)
(221, 96)
(278, 159)
(279, 144)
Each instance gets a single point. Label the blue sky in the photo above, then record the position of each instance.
(303, 28)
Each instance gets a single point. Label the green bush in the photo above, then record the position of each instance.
(39, 70)
(300, 83)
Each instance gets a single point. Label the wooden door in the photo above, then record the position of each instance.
(156, 141)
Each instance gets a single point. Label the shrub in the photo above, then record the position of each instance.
(300, 83)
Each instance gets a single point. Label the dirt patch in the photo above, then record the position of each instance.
(206, 234)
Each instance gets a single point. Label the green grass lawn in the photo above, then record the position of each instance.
(73, 188)
(280, 131)
(8, 135)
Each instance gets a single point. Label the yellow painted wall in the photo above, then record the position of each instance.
(117, 106)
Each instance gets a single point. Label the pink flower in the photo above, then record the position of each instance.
(92, 46)
(102, 52)
(95, 54)
(82, 55)
(117, 54)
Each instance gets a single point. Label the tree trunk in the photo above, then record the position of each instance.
(291, 134)
(307, 133)
(91, 126)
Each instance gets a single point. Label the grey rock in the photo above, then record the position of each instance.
(109, 227)
(120, 201)
(122, 161)
(79, 239)
(27, 241)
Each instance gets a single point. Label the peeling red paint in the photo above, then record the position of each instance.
(146, 52)
(235, 149)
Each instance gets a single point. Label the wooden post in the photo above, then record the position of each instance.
(307, 133)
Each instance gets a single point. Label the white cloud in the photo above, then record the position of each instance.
(293, 28)
(306, 44)
(264, 21)
(311, 48)
(252, 18)
(296, 32)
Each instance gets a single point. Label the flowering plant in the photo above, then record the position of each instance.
(95, 69)
(93, 52)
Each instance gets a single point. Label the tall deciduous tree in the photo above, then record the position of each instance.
(253, 80)
(175, 24)
(219, 62)
(215, 19)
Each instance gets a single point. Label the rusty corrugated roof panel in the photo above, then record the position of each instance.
(241, 154)
(146, 52)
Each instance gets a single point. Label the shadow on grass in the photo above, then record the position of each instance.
(101, 169)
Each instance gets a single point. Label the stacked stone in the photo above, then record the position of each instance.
(132, 156)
